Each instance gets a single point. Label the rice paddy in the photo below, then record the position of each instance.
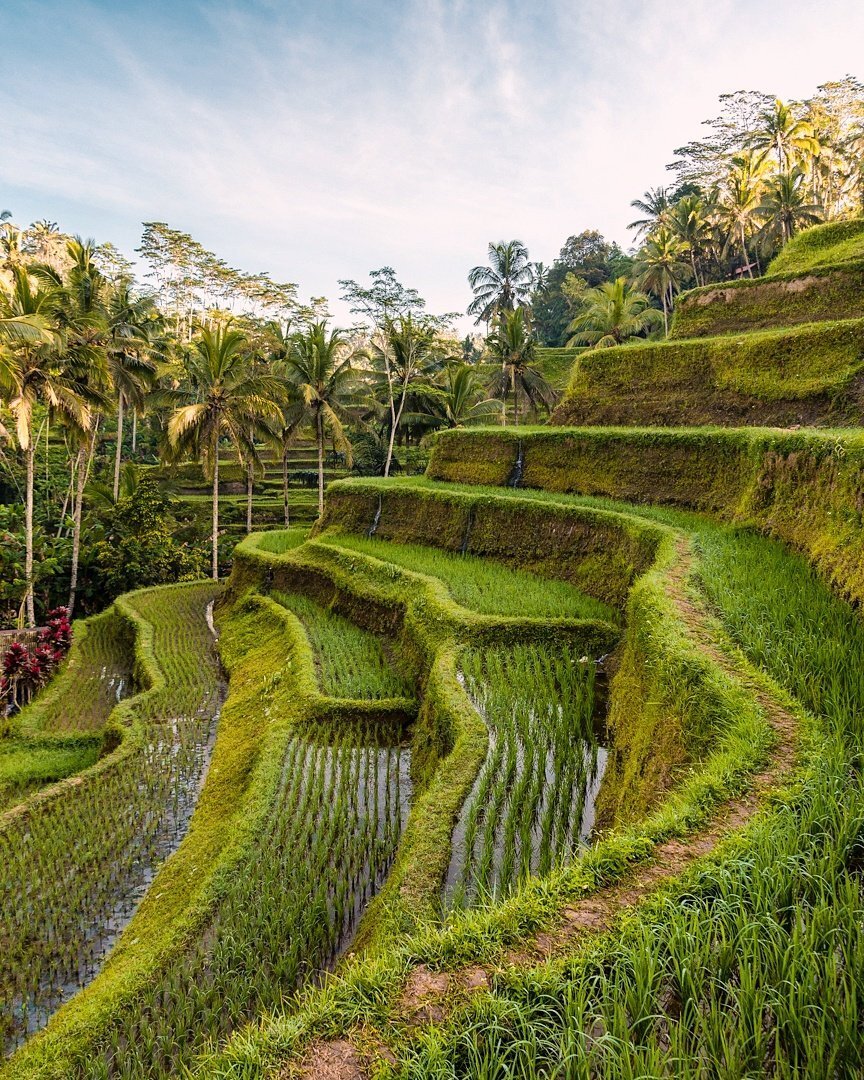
(26, 766)
(73, 869)
(482, 585)
(350, 662)
(532, 804)
(329, 838)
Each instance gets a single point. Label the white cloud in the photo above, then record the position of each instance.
(406, 134)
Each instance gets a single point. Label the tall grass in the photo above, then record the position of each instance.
(351, 662)
(73, 869)
(753, 965)
(337, 817)
(532, 804)
(483, 585)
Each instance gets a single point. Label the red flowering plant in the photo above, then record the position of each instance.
(25, 671)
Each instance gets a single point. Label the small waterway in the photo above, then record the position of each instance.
(84, 888)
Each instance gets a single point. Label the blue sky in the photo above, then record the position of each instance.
(318, 140)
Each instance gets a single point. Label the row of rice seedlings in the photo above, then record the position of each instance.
(291, 907)
(758, 968)
(73, 870)
(351, 662)
(26, 766)
(482, 584)
(532, 804)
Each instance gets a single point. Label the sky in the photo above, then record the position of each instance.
(320, 139)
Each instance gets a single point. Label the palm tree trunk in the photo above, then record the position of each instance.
(28, 530)
(249, 484)
(76, 528)
(319, 426)
(285, 484)
(118, 453)
(744, 252)
(665, 313)
(216, 509)
(134, 430)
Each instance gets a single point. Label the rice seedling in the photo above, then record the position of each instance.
(481, 584)
(73, 869)
(26, 765)
(351, 662)
(288, 911)
(532, 803)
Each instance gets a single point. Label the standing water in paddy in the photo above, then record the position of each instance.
(532, 805)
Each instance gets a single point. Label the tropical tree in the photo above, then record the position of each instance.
(404, 350)
(689, 221)
(512, 345)
(132, 317)
(458, 397)
(788, 136)
(785, 208)
(654, 204)
(504, 283)
(613, 313)
(738, 198)
(224, 397)
(319, 368)
(36, 372)
(660, 269)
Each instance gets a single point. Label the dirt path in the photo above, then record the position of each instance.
(426, 994)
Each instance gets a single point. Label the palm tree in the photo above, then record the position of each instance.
(689, 222)
(512, 344)
(506, 282)
(654, 204)
(405, 349)
(458, 397)
(785, 208)
(36, 372)
(790, 138)
(131, 318)
(613, 313)
(319, 367)
(738, 199)
(224, 397)
(659, 269)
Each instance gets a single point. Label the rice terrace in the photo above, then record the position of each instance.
(387, 694)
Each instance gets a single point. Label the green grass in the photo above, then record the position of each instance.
(281, 540)
(350, 662)
(481, 585)
(823, 245)
(27, 765)
(531, 807)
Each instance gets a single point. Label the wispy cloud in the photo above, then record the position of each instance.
(321, 140)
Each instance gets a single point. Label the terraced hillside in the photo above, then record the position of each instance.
(552, 755)
(784, 349)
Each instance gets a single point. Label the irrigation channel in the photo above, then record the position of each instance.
(74, 868)
(532, 804)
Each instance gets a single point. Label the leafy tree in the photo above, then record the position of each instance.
(384, 299)
(504, 283)
(319, 367)
(788, 136)
(785, 208)
(223, 398)
(613, 313)
(654, 204)
(660, 269)
(459, 397)
(512, 345)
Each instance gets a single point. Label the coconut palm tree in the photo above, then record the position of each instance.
(224, 397)
(319, 368)
(37, 372)
(785, 208)
(613, 313)
(512, 345)
(660, 268)
(458, 397)
(131, 320)
(791, 138)
(654, 204)
(504, 283)
(738, 198)
(689, 221)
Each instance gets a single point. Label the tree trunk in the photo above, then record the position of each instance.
(28, 529)
(319, 425)
(395, 418)
(76, 528)
(216, 510)
(134, 430)
(665, 313)
(118, 453)
(744, 252)
(249, 484)
(285, 484)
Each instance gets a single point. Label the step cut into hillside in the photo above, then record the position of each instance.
(785, 350)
